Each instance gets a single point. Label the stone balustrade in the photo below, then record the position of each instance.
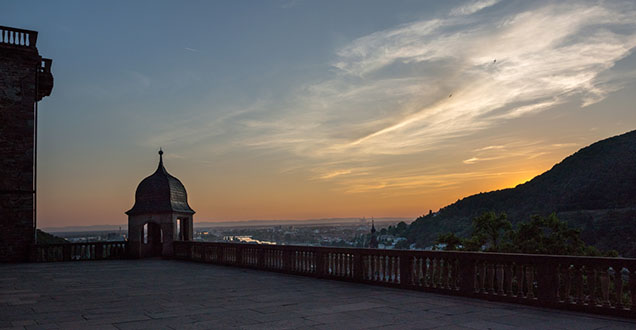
(79, 251)
(18, 37)
(589, 284)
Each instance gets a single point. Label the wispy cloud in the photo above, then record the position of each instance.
(472, 7)
(408, 89)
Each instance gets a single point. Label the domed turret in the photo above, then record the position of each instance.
(160, 193)
(160, 216)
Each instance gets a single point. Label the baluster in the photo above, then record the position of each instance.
(394, 269)
(567, 284)
(490, 275)
(500, 280)
(387, 269)
(342, 264)
(378, 266)
(334, 264)
(382, 268)
(397, 278)
(393, 272)
(313, 262)
(604, 278)
(271, 259)
(345, 265)
(454, 277)
(425, 271)
(432, 268)
(99, 251)
(446, 273)
(365, 267)
(441, 273)
(415, 276)
(618, 285)
(374, 267)
(632, 288)
(530, 280)
(520, 281)
(441, 266)
(578, 275)
(475, 269)
(303, 261)
(450, 274)
(420, 276)
(508, 279)
(591, 284)
(483, 286)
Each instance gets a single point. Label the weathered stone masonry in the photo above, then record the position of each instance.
(25, 78)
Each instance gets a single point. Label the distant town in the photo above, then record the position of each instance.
(323, 232)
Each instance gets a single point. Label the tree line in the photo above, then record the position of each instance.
(493, 232)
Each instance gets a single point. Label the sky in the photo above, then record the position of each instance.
(318, 109)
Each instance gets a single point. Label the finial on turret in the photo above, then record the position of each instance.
(160, 158)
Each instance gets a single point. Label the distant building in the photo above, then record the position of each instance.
(373, 242)
(25, 78)
(160, 216)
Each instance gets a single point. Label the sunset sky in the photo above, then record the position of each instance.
(315, 109)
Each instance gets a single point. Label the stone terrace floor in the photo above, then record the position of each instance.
(162, 294)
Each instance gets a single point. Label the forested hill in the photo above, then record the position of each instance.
(594, 190)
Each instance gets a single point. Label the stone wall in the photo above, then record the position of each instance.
(20, 72)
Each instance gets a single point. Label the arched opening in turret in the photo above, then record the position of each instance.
(152, 239)
(184, 229)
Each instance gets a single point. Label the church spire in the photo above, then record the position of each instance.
(373, 242)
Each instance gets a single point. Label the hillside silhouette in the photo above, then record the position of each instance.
(594, 190)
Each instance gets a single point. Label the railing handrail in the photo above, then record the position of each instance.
(14, 37)
(76, 243)
(8, 28)
(526, 257)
